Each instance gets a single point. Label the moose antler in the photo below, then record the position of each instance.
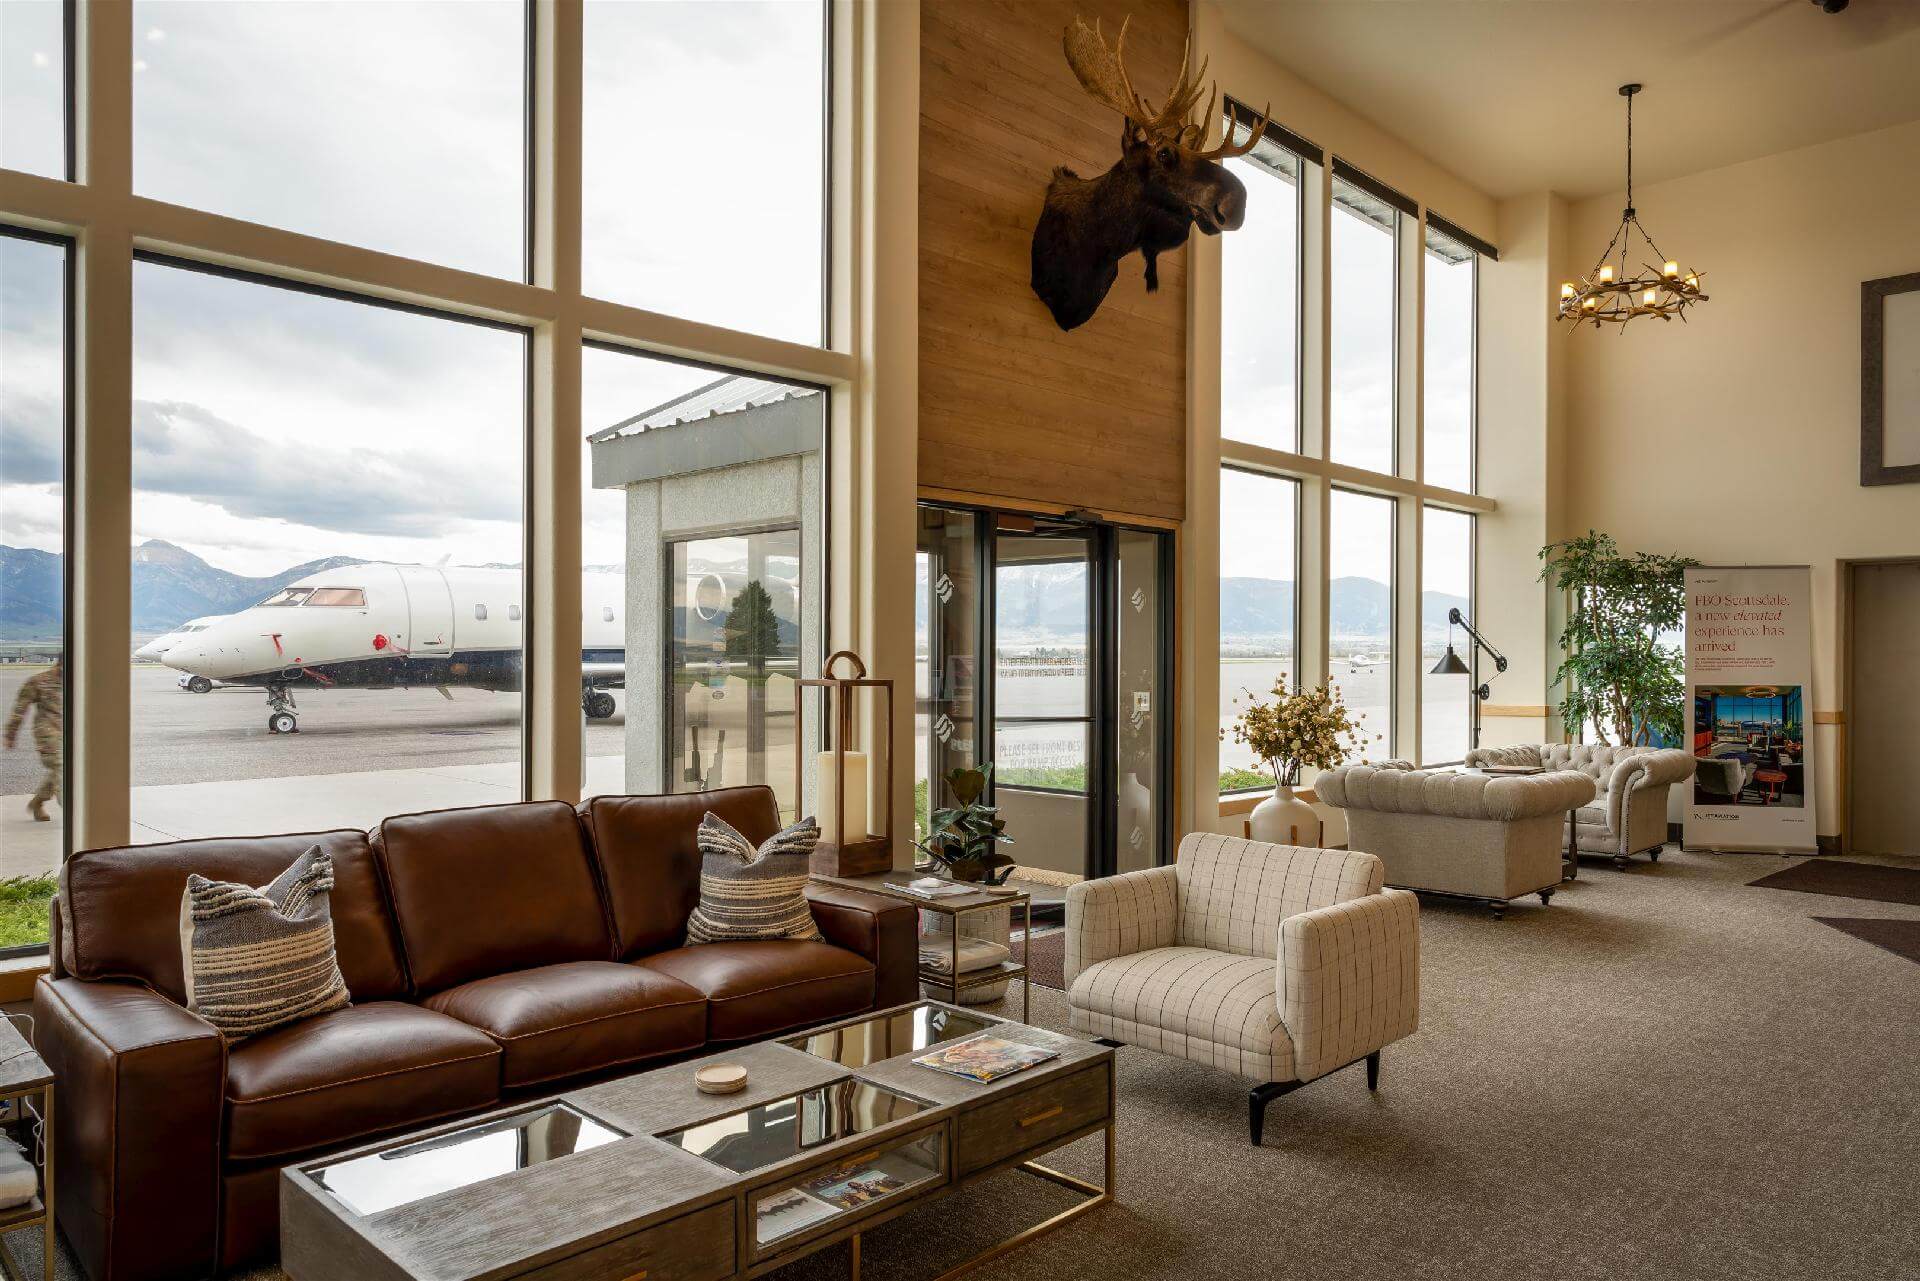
(1102, 72)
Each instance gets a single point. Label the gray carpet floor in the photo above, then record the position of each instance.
(1666, 1074)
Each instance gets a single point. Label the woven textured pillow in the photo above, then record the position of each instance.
(255, 959)
(748, 893)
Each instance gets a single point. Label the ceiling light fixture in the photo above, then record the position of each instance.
(1609, 295)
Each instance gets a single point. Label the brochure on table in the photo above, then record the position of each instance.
(1750, 708)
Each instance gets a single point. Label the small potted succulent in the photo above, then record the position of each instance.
(965, 838)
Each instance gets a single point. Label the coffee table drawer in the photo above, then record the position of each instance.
(1031, 1118)
(693, 1247)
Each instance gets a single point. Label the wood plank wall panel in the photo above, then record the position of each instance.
(1009, 404)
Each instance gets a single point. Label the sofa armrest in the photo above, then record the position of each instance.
(1348, 979)
(882, 929)
(140, 1086)
(1517, 754)
(1121, 915)
(1641, 772)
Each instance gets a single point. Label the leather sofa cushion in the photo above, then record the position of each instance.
(648, 850)
(760, 988)
(490, 889)
(355, 1072)
(583, 1016)
(120, 907)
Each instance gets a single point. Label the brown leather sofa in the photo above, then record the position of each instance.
(491, 953)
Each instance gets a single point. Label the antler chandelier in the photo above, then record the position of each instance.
(1609, 295)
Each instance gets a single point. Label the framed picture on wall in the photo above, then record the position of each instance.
(1890, 381)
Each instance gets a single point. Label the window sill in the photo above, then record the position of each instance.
(17, 975)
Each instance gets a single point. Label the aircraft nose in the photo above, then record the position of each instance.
(215, 653)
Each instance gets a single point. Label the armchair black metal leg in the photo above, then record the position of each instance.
(1108, 1041)
(1654, 853)
(1258, 1098)
(1373, 1070)
(1546, 897)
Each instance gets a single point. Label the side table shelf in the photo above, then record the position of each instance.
(26, 1088)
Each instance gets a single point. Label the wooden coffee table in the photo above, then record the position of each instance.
(645, 1177)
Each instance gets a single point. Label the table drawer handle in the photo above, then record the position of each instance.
(1038, 1117)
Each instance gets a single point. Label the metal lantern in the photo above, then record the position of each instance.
(846, 778)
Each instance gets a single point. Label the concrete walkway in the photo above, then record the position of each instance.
(264, 806)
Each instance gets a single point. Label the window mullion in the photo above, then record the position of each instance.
(100, 478)
(556, 729)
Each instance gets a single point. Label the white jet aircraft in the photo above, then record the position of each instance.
(398, 626)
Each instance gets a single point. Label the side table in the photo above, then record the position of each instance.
(26, 1088)
(893, 885)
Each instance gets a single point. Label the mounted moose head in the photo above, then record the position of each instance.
(1165, 181)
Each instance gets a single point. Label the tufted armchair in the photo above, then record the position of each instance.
(1628, 815)
(1278, 964)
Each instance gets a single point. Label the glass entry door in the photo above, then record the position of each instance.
(1073, 708)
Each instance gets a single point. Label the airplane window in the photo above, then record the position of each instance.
(513, 612)
(355, 596)
(480, 612)
(287, 596)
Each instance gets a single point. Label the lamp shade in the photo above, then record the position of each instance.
(1449, 665)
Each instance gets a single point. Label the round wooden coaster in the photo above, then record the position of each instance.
(720, 1078)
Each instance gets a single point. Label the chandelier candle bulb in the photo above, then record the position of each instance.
(1670, 270)
(1566, 289)
(1648, 297)
(1606, 273)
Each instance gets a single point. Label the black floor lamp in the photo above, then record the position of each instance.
(1450, 664)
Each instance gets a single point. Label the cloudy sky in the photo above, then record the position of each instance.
(272, 426)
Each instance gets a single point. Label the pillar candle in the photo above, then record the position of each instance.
(830, 797)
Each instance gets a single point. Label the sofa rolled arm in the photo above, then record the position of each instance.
(882, 929)
(1517, 754)
(1121, 915)
(1348, 979)
(140, 1086)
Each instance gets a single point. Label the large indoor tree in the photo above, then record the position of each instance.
(1621, 673)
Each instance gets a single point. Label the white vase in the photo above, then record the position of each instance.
(1285, 819)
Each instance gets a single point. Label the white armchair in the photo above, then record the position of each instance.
(1278, 964)
(1628, 816)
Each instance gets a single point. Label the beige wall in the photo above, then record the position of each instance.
(1735, 438)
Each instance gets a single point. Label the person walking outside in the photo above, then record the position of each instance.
(44, 695)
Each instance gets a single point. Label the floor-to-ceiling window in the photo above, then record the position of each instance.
(1347, 392)
(370, 278)
(33, 543)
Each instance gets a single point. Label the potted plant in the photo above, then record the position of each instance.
(964, 838)
(1299, 728)
(1620, 672)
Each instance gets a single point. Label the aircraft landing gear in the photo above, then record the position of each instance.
(199, 685)
(280, 711)
(597, 704)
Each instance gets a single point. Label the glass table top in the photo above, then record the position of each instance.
(887, 1036)
(780, 1128)
(401, 1175)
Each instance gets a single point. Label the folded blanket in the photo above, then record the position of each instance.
(936, 952)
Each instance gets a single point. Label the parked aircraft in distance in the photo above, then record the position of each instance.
(1360, 662)
(376, 626)
(153, 649)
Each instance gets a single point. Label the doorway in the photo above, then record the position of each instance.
(1883, 705)
(1044, 647)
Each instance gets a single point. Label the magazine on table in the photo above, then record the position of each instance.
(985, 1058)
(853, 1186)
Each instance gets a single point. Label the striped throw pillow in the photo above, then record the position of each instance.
(748, 893)
(255, 959)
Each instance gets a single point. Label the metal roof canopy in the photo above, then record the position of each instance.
(730, 422)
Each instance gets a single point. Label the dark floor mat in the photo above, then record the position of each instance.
(1047, 962)
(1902, 938)
(1843, 879)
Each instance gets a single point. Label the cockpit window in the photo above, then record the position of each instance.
(354, 596)
(287, 596)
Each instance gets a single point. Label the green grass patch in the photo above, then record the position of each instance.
(23, 909)
(1241, 779)
(1059, 778)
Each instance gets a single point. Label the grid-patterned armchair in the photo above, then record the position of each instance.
(1278, 964)
(1628, 814)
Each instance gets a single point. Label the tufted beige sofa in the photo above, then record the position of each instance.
(1628, 815)
(1278, 964)
(1464, 835)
